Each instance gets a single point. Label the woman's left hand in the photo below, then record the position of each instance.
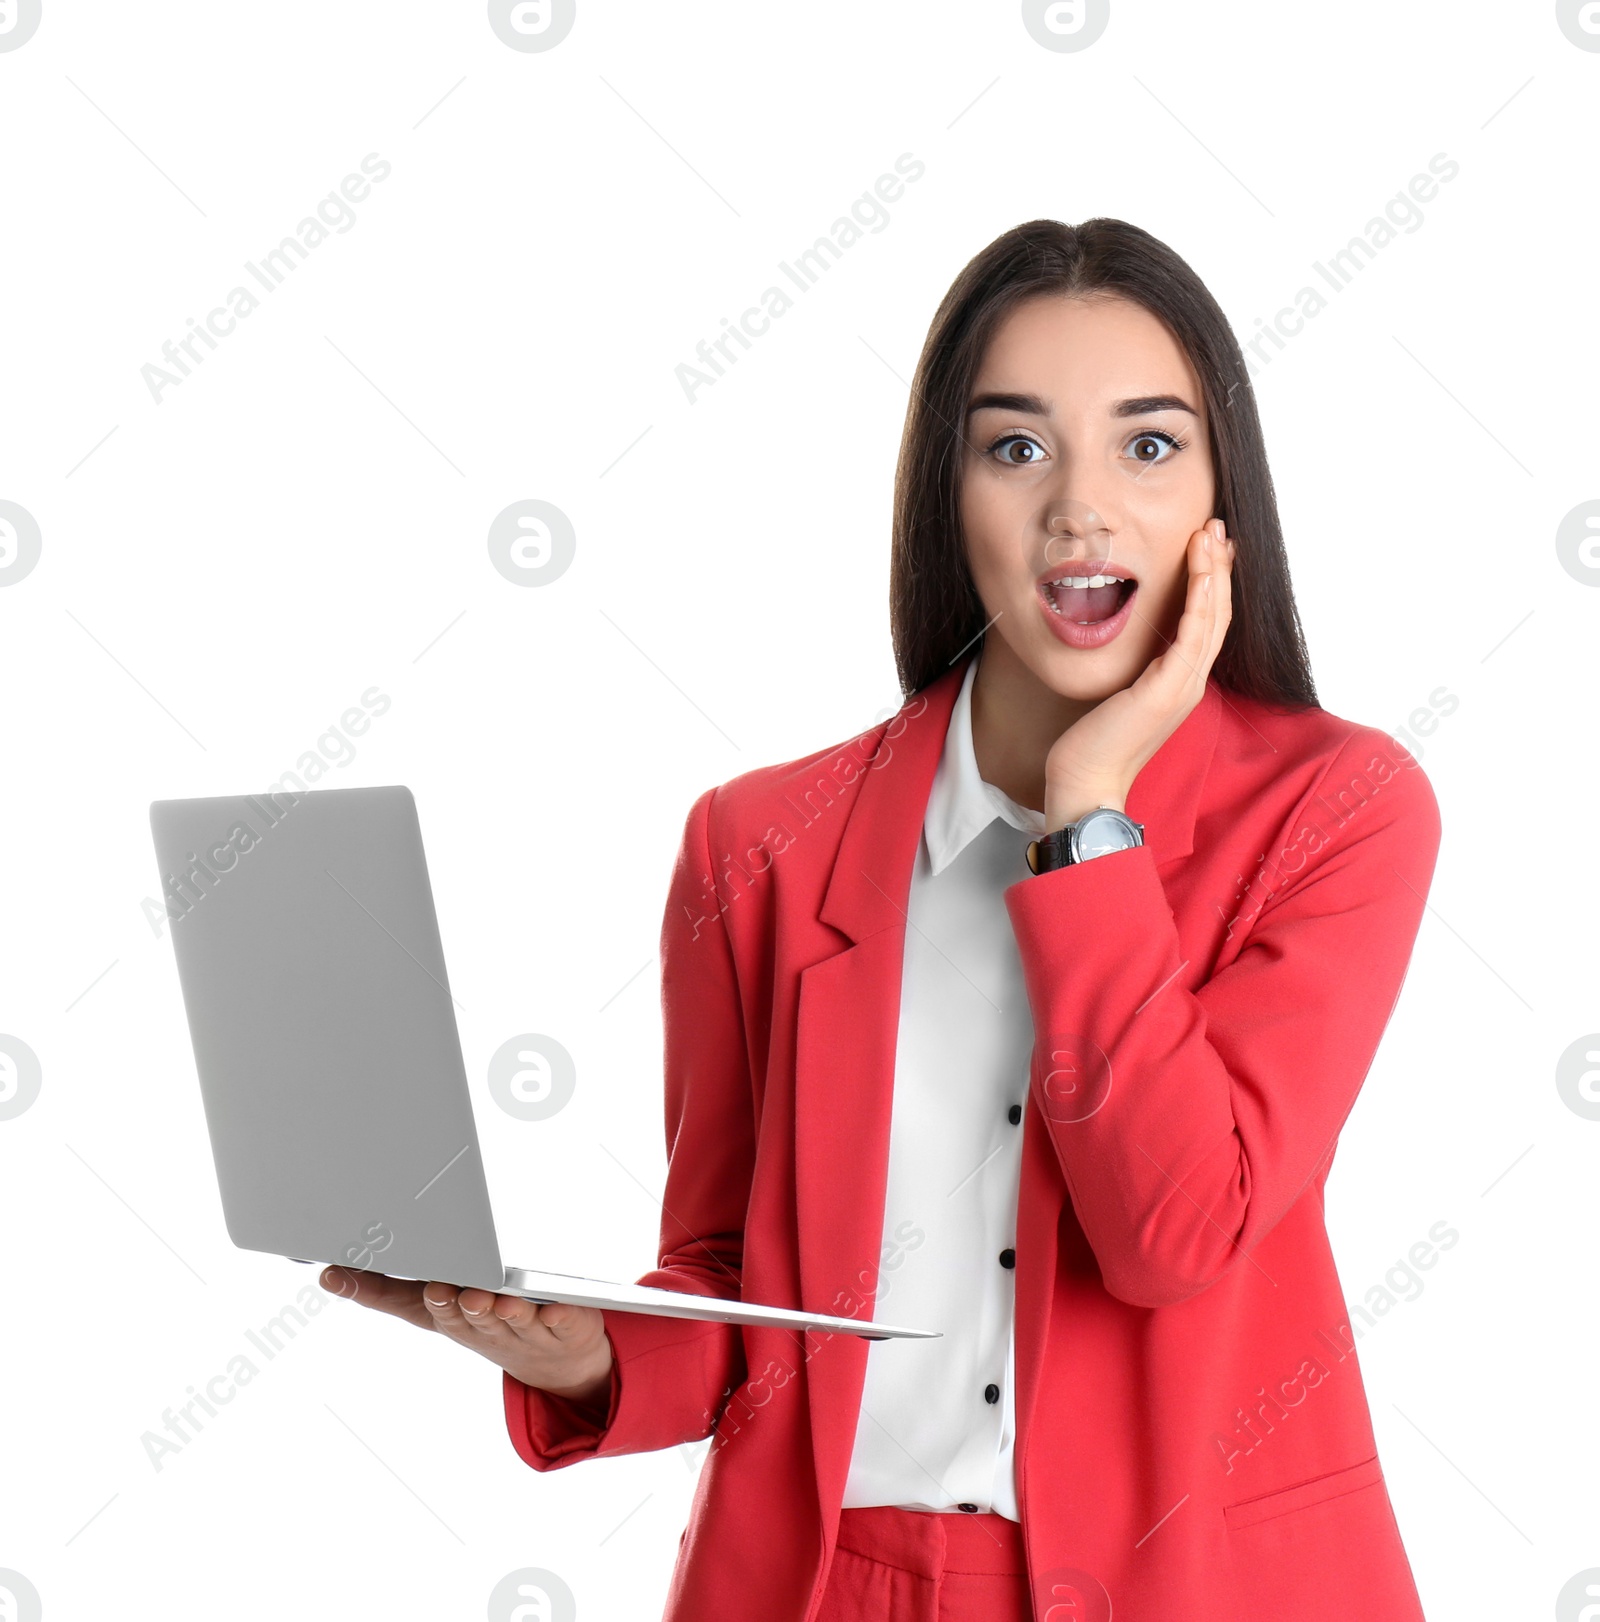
(1095, 761)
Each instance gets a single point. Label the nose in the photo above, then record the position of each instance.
(1072, 528)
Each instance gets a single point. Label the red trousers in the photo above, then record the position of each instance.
(906, 1565)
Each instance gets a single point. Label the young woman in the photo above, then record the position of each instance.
(1035, 1012)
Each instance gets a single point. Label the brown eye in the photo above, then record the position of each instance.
(1015, 447)
(1147, 448)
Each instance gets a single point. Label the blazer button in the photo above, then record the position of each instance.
(1014, 1114)
(970, 1509)
(991, 1393)
(1008, 1258)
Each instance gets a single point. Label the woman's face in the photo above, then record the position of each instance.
(1087, 456)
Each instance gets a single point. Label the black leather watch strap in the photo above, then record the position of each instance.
(1051, 851)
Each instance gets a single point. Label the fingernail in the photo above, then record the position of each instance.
(1206, 540)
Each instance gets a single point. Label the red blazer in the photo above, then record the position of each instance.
(1193, 1434)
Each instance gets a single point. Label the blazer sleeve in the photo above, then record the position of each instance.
(671, 1376)
(1200, 1117)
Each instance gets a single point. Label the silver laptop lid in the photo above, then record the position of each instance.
(324, 1032)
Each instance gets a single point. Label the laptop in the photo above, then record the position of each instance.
(330, 1068)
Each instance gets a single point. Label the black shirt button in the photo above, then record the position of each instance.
(1014, 1114)
(970, 1509)
(1008, 1258)
(991, 1393)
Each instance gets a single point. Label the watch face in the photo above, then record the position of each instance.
(1101, 832)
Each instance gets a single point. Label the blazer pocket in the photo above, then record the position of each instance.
(1336, 1484)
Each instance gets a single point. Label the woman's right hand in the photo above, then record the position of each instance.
(556, 1347)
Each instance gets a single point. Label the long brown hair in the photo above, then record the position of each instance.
(935, 611)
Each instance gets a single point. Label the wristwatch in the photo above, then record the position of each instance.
(1096, 833)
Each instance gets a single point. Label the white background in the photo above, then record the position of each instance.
(305, 516)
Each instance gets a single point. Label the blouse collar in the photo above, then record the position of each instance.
(961, 804)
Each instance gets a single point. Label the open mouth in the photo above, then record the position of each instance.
(1088, 599)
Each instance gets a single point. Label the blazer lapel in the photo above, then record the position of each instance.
(846, 1035)
(1165, 796)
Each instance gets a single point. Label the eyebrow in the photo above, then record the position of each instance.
(1035, 405)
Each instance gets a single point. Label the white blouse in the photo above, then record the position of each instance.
(938, 1418)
